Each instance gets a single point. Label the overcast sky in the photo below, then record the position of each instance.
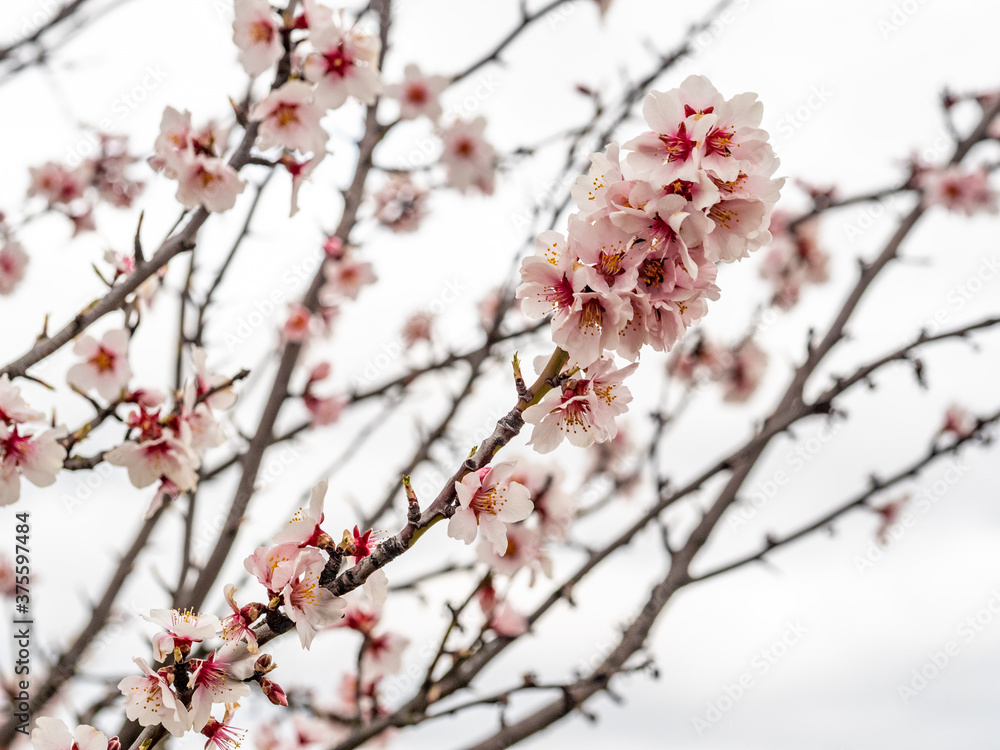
(808, 652)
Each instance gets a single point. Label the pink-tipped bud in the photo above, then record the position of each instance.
(334, 247)
(273, 692)
(114, 744)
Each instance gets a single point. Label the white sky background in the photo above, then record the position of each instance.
(837, 686)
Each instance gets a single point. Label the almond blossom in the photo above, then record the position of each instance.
(211, 684)
(310, 606)
(53, 734)
(57, 183)
(958, 422)
(958, 189)
(13, 408)
(221, 734)
(487, 502)
(36, 457)
(345, 277)
(793, 260)
(418, 94)
(289, 119)
(238, 626)
(583, 410)
(383, 655)
(304, 528)
(745, 371)
(257, 33)
(502, 618)
(468, 159)
(207, 181)
(208, 384)
(105, 364)
(166, 456)
(376, 586)
(183, 628)
(525, 549)
(345, 63)
(13, 261)
(150, 700)
(400, 205)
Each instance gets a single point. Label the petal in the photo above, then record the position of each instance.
(463, 525)
(518, 505)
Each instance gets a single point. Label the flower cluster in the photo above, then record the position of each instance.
(638, 264)
(794, 259)
(290, 570)
(194, 159)
(75, 192)
(37, 456)
(168, 447)
(739, 370)
(180, 696)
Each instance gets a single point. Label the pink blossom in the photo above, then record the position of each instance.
(746, 370)
(53, 734)
(221, 734)
(583, 410)
(890, 513)
(376, 586)
(400, 205)
(418, 327)
(207, 181)
(346, 277)
(37, 457)
(289, 119)
(13, 261)
(554, 508)
(468, 159)
(198, 424)
(105, 364)
(183, 628)
(306, 603)
(383, 655)
(57, 183)
(345, 63)
(151, 701)
(958, 422)
(300, 172)
(502, 618)
(164, 456)
(238, 626)
(212, 683)
(174, 142)
(297, 326)
(13, 408)
(272, 566)
(959, 189)
(418, 94)
(487, 502)
(324, 411)
(304, 529)
(525, 549)
(793, 260)
(256, 31)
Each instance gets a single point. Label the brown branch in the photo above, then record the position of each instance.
(861, 500)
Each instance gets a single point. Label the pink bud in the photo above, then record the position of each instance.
(114, 744)
(273, 692)
(334, 247)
